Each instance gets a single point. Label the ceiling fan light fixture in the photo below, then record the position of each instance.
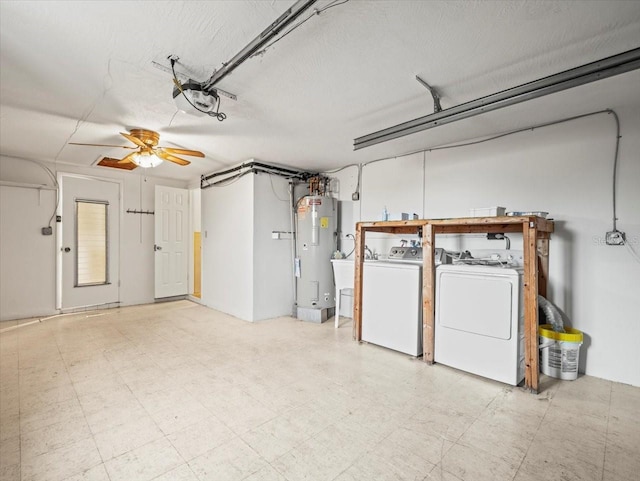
(147, 152)
(146, 159)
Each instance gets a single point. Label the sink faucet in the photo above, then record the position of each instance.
(367, 253)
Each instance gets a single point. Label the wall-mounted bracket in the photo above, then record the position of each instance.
(434, 93)
(136, 211)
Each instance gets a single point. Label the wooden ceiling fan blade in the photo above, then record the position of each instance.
(135, 140)
(171, 150)
(172, 158)
(128, 158)
(103, 145)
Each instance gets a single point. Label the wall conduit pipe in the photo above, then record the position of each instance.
(292, 208)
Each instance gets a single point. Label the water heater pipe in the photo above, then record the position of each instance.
(292, 209)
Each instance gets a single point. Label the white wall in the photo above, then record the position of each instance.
(27, 258)
(24, 248)
(566, 170)
(272, 281)
(227, 248)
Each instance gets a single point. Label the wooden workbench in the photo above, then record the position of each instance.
(535, 234)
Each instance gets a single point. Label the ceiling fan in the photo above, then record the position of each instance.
(147, 153)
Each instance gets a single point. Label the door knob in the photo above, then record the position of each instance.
(157, 247)
(67, 249)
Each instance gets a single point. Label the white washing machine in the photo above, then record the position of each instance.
(392, 305)
(479, 324)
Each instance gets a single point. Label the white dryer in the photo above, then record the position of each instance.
(479, 324)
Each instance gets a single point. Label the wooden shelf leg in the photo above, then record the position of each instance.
(543, 263)
(428, 294)
(357, 293)
(531, 373)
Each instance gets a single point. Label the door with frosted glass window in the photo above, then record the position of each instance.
(89, 250)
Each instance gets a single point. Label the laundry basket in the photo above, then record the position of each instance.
(559, 352)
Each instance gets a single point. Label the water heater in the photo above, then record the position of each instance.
(316, 241)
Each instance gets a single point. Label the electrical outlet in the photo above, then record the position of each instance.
(615, 238)
(47, 230)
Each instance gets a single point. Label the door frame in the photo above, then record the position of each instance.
(192, 229)
(60, 176)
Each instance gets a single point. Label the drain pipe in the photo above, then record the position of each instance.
(552, 314)
(292, 208)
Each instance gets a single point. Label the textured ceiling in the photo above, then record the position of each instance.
(82, 72)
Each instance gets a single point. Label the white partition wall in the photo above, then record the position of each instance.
(246, 272)
(227, 248)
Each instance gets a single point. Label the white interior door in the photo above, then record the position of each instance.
(172, 241)
(90, 242)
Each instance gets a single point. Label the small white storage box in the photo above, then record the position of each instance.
(487, 211)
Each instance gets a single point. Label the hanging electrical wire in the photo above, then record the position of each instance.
(615, 166)
(335, 171)
(56, 186)
(633, 253)
(273, 189)
(524, 129)
(352, 237)
(531, 128)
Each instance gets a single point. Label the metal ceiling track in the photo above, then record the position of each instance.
(601, 69)
(257, 43)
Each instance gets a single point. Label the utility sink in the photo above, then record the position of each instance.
(343, 273)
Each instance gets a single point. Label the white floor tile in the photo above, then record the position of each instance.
(123, 438)
(196, 439)
(181, 473)
(96, 473)
(232, 461)
(61, 463)
(52, 437)
(144, 463)
(137, 392)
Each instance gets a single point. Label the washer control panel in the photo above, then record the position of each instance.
(406, 253)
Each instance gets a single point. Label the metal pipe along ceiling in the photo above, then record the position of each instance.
(607, 67)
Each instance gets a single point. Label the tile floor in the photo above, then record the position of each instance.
(178, 392)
